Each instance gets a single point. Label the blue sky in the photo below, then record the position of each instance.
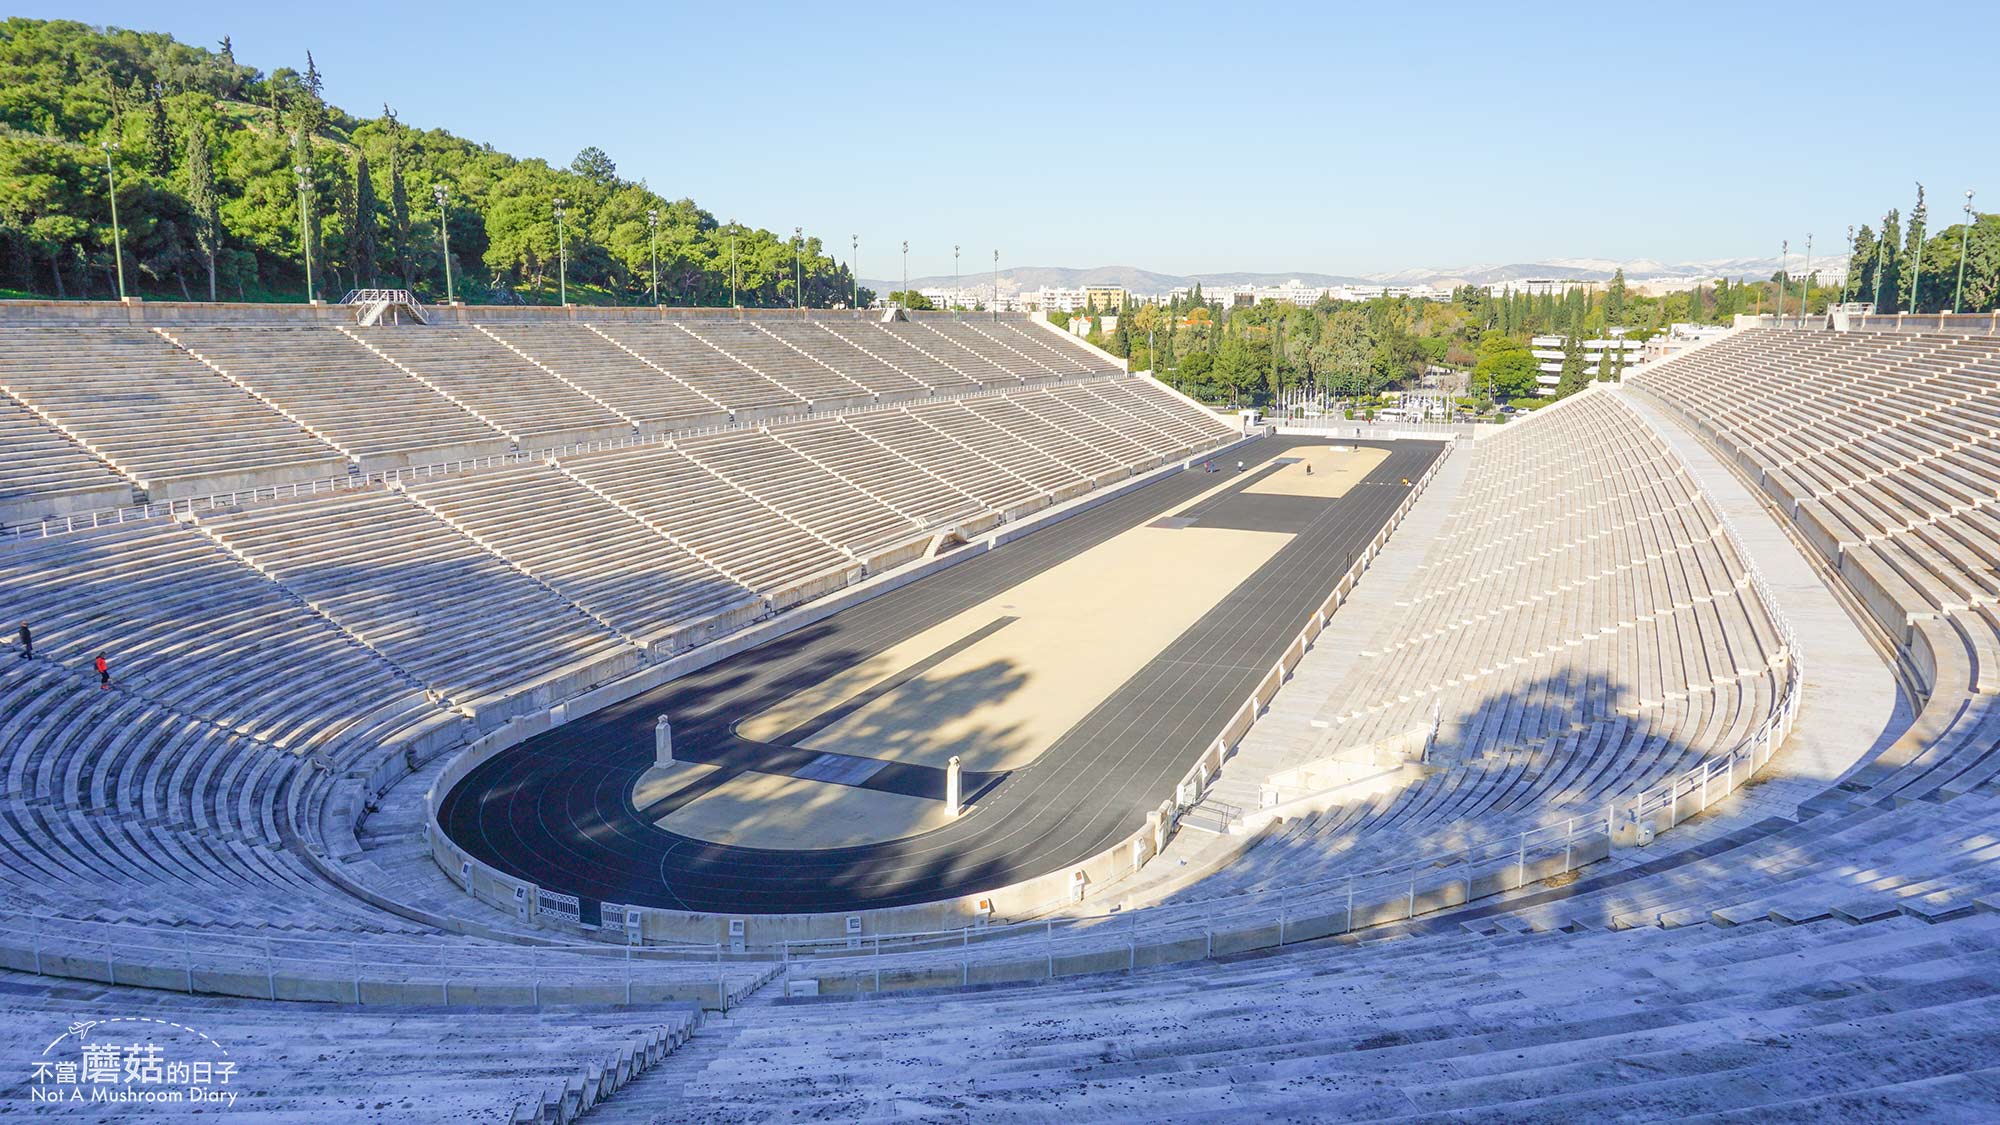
(1325, 137)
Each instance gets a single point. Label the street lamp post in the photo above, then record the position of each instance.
(854, 267)
(906, 273)
(957, 285)
(305, 224)
(444, 235)
(1964, 244)
(117, 240)
(562, 255)
(732, 264)
(799, 267)
(995, 303)
(653, 237)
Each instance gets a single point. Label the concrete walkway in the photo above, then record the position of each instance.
(1852, 707)
(1286, 735)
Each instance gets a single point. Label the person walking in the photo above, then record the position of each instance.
(1239, 466)
(103, 672)
(27, 642)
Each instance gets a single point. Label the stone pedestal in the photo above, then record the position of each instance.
(954, 786)
(663, 742)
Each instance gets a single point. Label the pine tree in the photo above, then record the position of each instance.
(1694, 304)
(159, 144)
(1614, 298)
(228, 50)
(202, 201)
(361, 227)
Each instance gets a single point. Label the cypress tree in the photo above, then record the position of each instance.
(159, 144)
(202, 200)
(1913, 252)
(361, 237)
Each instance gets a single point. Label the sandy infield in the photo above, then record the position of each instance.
(1334, 471)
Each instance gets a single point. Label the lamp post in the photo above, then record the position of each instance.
(1964, 244)
(1805, 282)
(562, 255)
(957, 285)
(906, 273)
(854, 267)
(732, 264)
(799, 267)
(995, 304)
(117, 241)
(444, 235)
(1845, 281)
(305, 224)
(653, 237)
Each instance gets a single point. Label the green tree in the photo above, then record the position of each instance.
(361, 227)
(159, 143)
(1505, 367)
(207, 220)
(1575, 375)
(1614, 298)
(1913, 248)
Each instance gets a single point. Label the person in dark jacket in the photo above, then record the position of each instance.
(27, 642)
(103, 672)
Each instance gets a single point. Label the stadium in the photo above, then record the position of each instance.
(431, 709)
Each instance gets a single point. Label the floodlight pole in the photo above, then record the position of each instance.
(1964, 245)
(854, 267)
(653, 230)
(732, 264)
(117, 241)
(996, 285)
(1784, 276)
(799, 282)
(1805, 283)
(305, 225)
(956, 284)
(906, 273)
(444, 234)
(562, 257)
(1844, 282)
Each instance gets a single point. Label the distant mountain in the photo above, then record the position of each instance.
(1137, 280)
(1131, 278)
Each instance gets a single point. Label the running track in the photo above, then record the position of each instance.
(557, 810)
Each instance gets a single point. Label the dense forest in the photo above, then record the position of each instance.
(206, 155)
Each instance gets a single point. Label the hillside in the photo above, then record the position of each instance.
(209, 203)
